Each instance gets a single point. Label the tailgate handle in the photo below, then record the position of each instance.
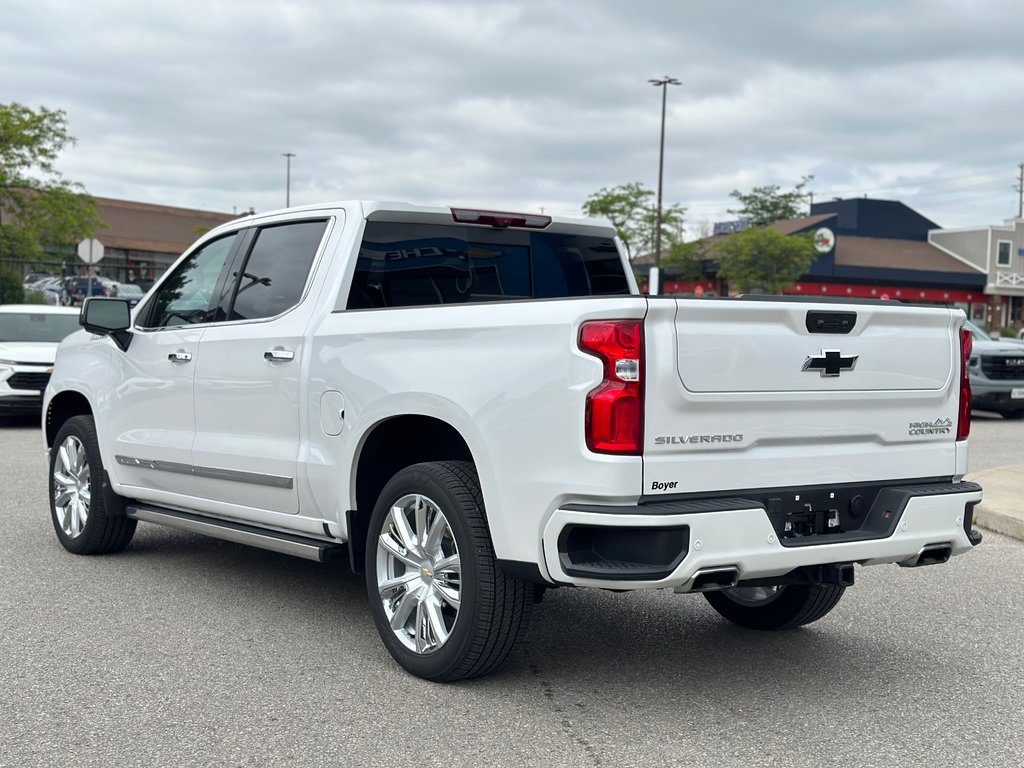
(830, 322)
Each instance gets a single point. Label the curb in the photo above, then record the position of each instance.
(1002, 506)
(1008, 525)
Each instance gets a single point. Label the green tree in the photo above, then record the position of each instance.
(764, 259)
(632, 210)
(764, 205)
(686, 260)
(38, 206)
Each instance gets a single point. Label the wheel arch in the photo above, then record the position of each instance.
(390, 446)
(399, 442)
(63, 406)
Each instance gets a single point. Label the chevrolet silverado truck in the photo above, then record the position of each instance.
(473, 406)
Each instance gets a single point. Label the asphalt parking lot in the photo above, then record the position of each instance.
(186, 651)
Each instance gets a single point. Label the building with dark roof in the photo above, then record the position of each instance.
(874, 249)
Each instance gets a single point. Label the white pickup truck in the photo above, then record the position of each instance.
(473, 406)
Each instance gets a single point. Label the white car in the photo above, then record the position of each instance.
(29, 335)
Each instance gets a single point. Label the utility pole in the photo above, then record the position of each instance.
(663, 83)
(1020, 193)
(288, 178)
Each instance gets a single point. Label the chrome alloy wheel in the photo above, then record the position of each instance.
(419, 574)
(753, 597)
(72, 488)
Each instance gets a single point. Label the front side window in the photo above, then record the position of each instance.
(274, 274)
(189, 295)
(1003, 253)
(408, 265)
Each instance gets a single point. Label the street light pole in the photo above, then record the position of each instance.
(288, 178)
(663, 83)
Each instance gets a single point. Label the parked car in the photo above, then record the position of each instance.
(29, 335)
(132, 293)
(35, 277)
(49, 288)
(77, 288)
(997, 374)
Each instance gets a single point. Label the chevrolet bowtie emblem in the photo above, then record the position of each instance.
(831, 362)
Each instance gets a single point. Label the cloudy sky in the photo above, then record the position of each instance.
(529, 105)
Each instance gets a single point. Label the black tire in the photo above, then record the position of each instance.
(792, 606)
(494, 609)
(106, 529)
(1013, 415)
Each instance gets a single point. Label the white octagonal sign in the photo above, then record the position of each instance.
(90, 250)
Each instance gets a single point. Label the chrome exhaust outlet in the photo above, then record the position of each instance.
(933, 554)
(711, 579)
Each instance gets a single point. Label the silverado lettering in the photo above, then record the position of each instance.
(680, 439)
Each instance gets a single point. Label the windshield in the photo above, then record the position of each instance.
(30, 326)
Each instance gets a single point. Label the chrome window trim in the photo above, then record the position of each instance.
(331, 220)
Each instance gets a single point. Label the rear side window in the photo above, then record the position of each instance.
(408, 265)
(275, 272)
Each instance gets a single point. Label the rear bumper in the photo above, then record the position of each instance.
(685, 539)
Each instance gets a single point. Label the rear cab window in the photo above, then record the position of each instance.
(276, 269)
(409, 265)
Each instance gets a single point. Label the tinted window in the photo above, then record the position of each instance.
(276, 270)
(403, 265)
(189, 294)
(36, 326)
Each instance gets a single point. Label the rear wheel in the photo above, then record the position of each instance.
(443, 608)
(80, 507)
(775, 607)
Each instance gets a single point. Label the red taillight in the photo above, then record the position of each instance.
(500, 219)
(963, 423)
(615, 408)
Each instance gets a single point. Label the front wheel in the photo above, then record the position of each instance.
(775, 607)
(79, 507)
(443, 608)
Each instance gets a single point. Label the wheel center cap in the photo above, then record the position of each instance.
(426, 573)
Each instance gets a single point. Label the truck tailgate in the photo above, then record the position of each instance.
(748, 394)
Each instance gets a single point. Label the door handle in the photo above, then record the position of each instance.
(278, 355)
(179, 357)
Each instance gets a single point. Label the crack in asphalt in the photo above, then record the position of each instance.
(571, 729)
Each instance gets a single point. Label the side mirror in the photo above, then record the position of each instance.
(108, 317)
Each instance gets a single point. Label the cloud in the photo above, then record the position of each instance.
(528, 104)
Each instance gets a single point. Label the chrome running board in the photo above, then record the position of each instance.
(285, 543)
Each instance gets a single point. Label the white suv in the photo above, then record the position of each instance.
(29, 335)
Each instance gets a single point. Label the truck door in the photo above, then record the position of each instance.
(248, 381)
(153, 418)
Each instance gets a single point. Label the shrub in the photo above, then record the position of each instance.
(11, 290)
